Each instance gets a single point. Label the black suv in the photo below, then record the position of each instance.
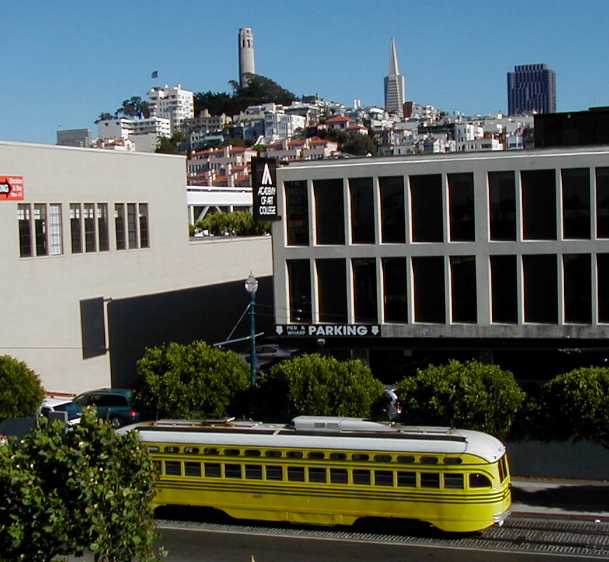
(113, 404)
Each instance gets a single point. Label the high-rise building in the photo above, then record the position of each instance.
(247, 64)
(395, 87)
(171, 102)
(531, 88)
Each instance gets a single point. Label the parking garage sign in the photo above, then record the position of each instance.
(328, 330)
(264, 187)
(11, 188)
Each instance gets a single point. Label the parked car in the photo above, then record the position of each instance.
(394, 408)
(61, 408)
(113, 404)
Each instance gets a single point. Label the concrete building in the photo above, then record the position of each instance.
(124, 128)
(531, 88)
(312, 148)
(173, 103)
(97, 265)
(222, 166)
(247, 59)
(74, 137)
(395, 85)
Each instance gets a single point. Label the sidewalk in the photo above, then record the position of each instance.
(576, 499)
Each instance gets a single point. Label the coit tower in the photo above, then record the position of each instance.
(247, 63)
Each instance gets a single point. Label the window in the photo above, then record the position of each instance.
(406, 459)
(211, 451)
(153, 449)
(253, 471)
(316, 455)
(191, 450)
(426, 204)
(102, 226)
(131, 225)
(119, 224)
(251, 453)
(143, 220)
(76, 228)
(463, 288)
(477, 480)
(429, 302)
(393, 229)
(430, 479)
(361, 477)
(169, 450)
(338, 476)
(338, 456)
(55, 230)
(407, 479)
(332, 290)
(296, 473)
(503, 289)
(502, 203)
(395, 290)
(24, 218)
(173, 468)
(364, 290)
(429, 460)
(577, 288)
(382, 458)
(461, 207)
(576, 203)
(453, 480)
(383, 477)
(232, 471)
(453, 460)
(318, 475)
(540, 288)
(212, 470)
(359, 457)
(299, 279)
(362, 211)
(40, 228)
(274, 473)
(539, 204)
(602, 202)
(329, 211)
(89, 219)
(273, 453)
(294, 454)
(231, 452)
(192, 469)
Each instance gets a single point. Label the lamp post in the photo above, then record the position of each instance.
(251, 286)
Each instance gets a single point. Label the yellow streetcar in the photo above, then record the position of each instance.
(331, 471)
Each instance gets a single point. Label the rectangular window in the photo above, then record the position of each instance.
(55, 230)
(318, 475)
(454, 481)
(296, 473)
(232, 470)
(102, 226)
(192, 469)
(461, 207)
(173, 468)
(76, 228)
(364, 290)
(299, 286)
(274, 473)
(143, 220)
(383, 477)
(430, 480)
(602, 202)
(429, 300)
(361, 477)
(395, 290)
(297, 213)
(40, 228)
(119, 225)
(332, 290)
(602, 266)
(503, 289)
(89, 217)
(539, 204)
(393, 225)
(540, 289)
(362, 211)
(502, 205)
(426, 205)
(407, 479)
(329, 211)
(463, 288)
(24, 217)
(131, 225)
(577, 288)
(338, 476)
(576, 203)
(212, 470)
(253, 471)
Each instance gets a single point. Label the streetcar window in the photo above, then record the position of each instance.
(153, 449)
(361, 477)
(273, 453)
(231, 452)
(477, 480)
(430, 479)
(232, 471)
(191, 450)
(383, 478)
(211, 451)
(429, 460)
(382, 458)
(157, 466)
(453, 460)
(296, 473)
(408, 479)
(454, 480)
(501, 471)
(406, 459)
(212, 470)
(192, 469)
(173, 467)
(338, 476)
(316, 455)
(252, 453)
(338, 456)
(294, 454)
(359, 457)
(318, 475)
(172, 450)
(253, 471)
(274, 473)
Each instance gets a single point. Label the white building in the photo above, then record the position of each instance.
(280, 125)
(171, 102)
(124, 128)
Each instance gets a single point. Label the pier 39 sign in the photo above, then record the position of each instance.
(328, 330)
(264, 189)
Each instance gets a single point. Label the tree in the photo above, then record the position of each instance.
(237, 223)
(105, 116)
(190, 381)
(21, 392)
(574, 405)
(359, 145)
(318, 385)
(64, 492)
(134, 107)
(470, 395)
(171, 145)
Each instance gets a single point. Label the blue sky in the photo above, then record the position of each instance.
(64, 62)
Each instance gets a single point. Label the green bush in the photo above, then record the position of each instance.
(190, 381)
(470, 395)
(20, 390)
(237, 223)
(576, 405)
(319, 385)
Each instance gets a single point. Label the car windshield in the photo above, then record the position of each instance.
(71, 408)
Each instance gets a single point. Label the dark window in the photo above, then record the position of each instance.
(294, 454)
(102, 226)
(119, 225)
(212, 451)
(112, 401)
(426, 205)
(577, 288)
(477, 480)
(362, 211)
(539, 204)
(338, 456)
(191, 450)
(383, 477)
(428, 460)
(602, 265)
(75, 228)
(40, 228)
(453, 480)
(273, 453)
(25, 233)
(393, 227)
(576, 203)
(453, 460)
(359, 457)
(192, 469)
(169, 450)
(332, 290)
(329, 211)
(274, 473)
(461, 207)
(602, 202)
(232, 471)
(395, 290)
(174, 468)
(89, 216)
(153, 449)
(382, 458)
(251, 453)
(503, 289)
(338, 476)
(428, 274)
(502, 203)
(317, 475)
(361, 476)
(316, 455)
(231, 452)
(212, 470)
(364, 290)
(430, 480)
(408, 479)
(297, 213)
(132, 225)
(299, 279)
(253, 471)
(540, 289)
(463, 288)
(296, 473)
(143, 220)
(406, 459)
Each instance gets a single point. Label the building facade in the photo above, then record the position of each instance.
(74, 137)
(247, 59)
(173, 103)
(395, 85)
(531, 88)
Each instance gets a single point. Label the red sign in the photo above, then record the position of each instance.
(11, 188)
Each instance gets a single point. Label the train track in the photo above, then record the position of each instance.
(518, 534)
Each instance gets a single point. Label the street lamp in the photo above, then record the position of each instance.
(251, 286)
